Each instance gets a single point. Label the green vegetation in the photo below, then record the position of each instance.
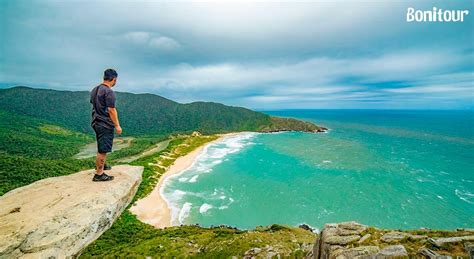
(55, 130)
(41, 131)
(129, 237)
(32, 149)
(287, 124)
(17, 171)
(31, 137)
(141, 114)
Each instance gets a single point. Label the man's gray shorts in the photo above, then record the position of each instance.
(105, 138)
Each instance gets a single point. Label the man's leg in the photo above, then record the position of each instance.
(100, 162)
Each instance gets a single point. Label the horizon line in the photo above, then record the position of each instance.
(264, 109)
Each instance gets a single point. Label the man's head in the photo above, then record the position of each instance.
(110, 76)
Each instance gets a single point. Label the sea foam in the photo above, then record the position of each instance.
(204, 208)
(193, 179)
(211, 155)
(465, 196)
(184, 212)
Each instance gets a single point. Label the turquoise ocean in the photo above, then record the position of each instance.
(387, 168)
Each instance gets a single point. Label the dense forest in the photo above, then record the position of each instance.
(141, 113)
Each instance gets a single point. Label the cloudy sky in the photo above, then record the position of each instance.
(260, 55)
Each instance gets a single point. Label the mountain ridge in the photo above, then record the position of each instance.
(144, 113)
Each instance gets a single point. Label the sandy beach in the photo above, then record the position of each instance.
(153, 209)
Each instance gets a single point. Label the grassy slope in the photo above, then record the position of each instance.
(130, 237)
(33, 149)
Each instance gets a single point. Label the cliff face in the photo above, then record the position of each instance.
(354, 240)
(59, 216)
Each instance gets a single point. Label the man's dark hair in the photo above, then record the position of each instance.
(110, 74)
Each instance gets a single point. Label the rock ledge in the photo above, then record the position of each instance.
(57, 217)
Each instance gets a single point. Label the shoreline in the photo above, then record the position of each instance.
(154, 209)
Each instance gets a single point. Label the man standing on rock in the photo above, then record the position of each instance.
(104, 120)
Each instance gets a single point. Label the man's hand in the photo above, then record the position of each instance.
(114, 118)
(118, 129)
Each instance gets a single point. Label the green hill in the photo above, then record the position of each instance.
(42, 129)
(141, 114)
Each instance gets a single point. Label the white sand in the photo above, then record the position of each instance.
(153, 209)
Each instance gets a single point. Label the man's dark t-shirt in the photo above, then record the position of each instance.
(102, 97)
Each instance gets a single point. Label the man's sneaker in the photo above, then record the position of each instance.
(106, 167)
(101, 178)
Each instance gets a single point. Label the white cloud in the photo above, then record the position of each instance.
(314, 75)
(316, 89)
(164, 43)
(238, 53)
(466, 88)
(150, 40)
(138, 37)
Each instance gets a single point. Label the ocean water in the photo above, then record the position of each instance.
(391, 169)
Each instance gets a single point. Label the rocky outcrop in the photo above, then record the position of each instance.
(393, 251)
(396, 236)
(57, 217)
(354, 240)
(441, 242)
(335, 237)
(289, 124)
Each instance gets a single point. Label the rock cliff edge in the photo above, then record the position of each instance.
(59, 216)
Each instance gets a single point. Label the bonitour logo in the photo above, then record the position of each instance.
(436, 15)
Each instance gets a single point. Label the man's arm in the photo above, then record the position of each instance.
(110, 103)
(114, 117)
